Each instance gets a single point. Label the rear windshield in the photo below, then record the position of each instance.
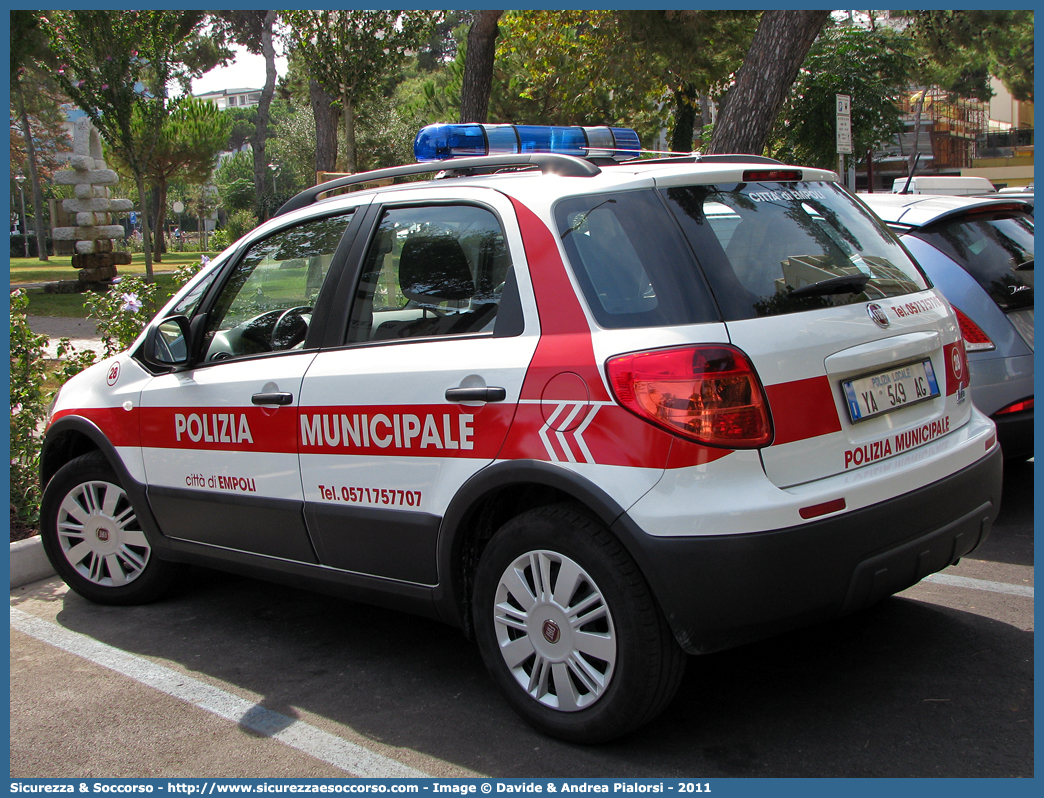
(995, 248)
(774, 248)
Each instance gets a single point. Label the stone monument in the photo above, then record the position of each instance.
(93, 233)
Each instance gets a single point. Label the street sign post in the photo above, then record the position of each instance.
(844, 124)
(843, 107)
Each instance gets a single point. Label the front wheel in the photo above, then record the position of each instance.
(569, 630)
(90, 532)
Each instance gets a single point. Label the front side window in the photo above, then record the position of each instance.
(431, 271)
(266, 304)
(773, 248)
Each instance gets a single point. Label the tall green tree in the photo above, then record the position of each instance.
(694, 53)
(574, 68)
(47, 138)
(119, 66)
(961, 49)
(294, 151)
(351, 53)
(780, 44)
(33, 103)
(255, 30)
(194, 133)
(299, 87)
(478, 66)
(871, 66)
(235, 182)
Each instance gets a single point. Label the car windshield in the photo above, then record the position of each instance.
(773, 248)
(996, 248)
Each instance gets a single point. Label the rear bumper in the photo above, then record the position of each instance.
(996, 382)
(718, 591)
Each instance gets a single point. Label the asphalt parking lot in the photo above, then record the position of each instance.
(235, 677)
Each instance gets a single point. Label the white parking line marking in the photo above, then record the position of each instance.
(980, 584)
(306, 738)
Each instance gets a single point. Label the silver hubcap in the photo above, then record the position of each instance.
(99, 534)
(555, 631)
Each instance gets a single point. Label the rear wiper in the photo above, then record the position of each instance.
(845, 284)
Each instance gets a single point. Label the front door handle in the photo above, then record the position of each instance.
(276, 398)
(476, 394)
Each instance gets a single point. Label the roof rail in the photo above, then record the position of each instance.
(548, 163)
(690, 158)
(735, 158)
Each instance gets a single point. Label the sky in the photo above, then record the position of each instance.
(247, 72)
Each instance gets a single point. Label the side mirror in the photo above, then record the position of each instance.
(169, 343)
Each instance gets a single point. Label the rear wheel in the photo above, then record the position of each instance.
(569, 630)
(92, 537)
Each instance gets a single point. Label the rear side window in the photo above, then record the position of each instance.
(632, 263)
(995, 248)
(774, 248)
(432, 271)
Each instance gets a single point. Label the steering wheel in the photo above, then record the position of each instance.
(290, 329)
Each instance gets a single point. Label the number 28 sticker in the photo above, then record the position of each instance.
(114, 374)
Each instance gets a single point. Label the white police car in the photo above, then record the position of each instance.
(599, 413)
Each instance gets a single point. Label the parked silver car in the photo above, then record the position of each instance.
(979, 252)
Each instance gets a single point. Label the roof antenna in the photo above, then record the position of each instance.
(913, 169)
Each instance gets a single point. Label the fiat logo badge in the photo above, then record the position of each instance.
(551, 631)
(103, 534)
(877, 314)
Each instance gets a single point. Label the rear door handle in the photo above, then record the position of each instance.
(278, 398)
(476, 394)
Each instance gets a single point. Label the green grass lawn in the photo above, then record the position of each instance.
(59, 267)
(31, 270)
(71, 306)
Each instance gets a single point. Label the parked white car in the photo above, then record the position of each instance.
(598, 413)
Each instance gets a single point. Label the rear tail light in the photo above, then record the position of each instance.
(1016, 407)
(710, 394)
(975, 340)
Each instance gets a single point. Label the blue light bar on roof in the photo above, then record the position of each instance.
(443, 141)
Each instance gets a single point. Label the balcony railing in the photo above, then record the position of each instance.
(1004, 145)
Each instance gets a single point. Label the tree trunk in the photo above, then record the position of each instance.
(684, 118)
(261, 129)
(349, 134)
(161, 219)
(203, 218)
(146, 232)
(780, 44)
(325, 127)
(478, 67)
(34, 177)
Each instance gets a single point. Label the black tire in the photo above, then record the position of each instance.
(610, 669)
(92, 537)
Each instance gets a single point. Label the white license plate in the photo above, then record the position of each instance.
(885, 391)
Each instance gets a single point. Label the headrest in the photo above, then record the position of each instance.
(433, 269)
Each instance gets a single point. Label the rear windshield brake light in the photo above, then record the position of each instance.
(777, 175)
(996, 208)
